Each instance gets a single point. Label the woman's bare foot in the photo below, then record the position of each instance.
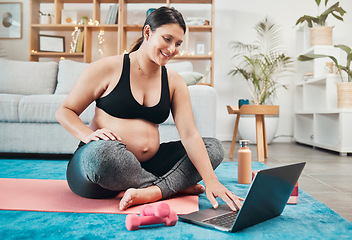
(194, 190)
(135, 196)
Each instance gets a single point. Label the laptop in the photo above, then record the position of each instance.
(266, 199)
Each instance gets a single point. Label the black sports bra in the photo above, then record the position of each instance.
(120, 102)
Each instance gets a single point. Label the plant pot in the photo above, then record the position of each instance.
(247, 130)
(344, 95)
(321, 35)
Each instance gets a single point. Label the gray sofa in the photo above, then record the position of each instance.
(30, 93)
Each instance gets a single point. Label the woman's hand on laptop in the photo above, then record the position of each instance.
(215, 189)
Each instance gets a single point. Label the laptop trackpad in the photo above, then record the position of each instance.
(209, 213)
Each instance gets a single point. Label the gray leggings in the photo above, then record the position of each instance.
(101, 169)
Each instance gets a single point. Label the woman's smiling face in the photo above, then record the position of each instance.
(164, 42)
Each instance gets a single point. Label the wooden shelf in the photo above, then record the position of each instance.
(205, 28)
(144, 1)
(193, 57)
(55, 27)
(138, 28)
(69, 27)
(171, 1)
(57, 54)
(77, 1)
(133, 28)
(192, 1)
(121, 29)
(105, 27)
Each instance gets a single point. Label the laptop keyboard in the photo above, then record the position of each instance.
(226, 220)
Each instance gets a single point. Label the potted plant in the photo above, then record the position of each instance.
(262, 65)
(320, 34)
(344, 88)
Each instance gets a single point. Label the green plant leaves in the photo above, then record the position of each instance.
(347, 68)
(335, 10)
(261, 64)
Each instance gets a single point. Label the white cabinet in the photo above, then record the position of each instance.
(318, 122)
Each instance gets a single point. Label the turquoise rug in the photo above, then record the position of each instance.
(309, 219)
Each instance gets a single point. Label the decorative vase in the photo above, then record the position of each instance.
(45, 19)
(321, 35)
(344, 95)
(247, 131)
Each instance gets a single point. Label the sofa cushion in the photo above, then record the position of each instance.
(42, 108)
(23, 77)
(185, 69)
(204, 104)
(191, 78)
(69, 72)
(9, 107)
(39, 108)
(203, 100)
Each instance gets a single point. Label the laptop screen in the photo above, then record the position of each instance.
(268, 196)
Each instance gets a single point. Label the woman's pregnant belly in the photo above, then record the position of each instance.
(140, 136)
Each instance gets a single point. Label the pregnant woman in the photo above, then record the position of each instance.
(120, 150)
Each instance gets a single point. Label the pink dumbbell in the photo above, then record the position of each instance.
(161, 209)
(133, 221)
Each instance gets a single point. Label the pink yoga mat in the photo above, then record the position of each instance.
(56, 196)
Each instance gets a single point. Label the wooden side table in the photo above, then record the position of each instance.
(259, 111)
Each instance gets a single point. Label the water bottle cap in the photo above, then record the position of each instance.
(244, 143)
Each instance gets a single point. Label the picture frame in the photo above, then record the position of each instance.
(68, 17)
(11, 20)
(200, 48)
(48, 43)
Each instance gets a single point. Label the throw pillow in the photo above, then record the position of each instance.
(69, 72)
(191, 78)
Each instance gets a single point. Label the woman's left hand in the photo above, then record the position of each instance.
(215, 189)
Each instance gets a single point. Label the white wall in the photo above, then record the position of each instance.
(234, 21)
